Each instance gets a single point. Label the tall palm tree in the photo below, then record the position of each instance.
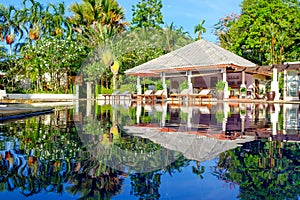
(200, 29)
(106, 12)
(55, 21)
(30, 17)
(9, 26)
(174, 38)
(112, 15)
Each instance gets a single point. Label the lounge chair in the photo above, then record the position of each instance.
(205, 93)
(139, 97)
(160, 95)
(148, 95)
(183, 93)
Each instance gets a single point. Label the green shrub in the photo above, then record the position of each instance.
(220, 86)
(105, 90)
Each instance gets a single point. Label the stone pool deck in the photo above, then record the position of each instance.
(17, 112)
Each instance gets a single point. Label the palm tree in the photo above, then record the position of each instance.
(174, 38)
(55, 22)
(30, 17)
(9, 25)
(200, 29)
(106, 12)
(112, 15)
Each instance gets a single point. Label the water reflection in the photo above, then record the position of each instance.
(222, 121)
(255, 146)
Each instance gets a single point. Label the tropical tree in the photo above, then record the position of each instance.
(266, 32)
(199, 29)
(31, 15)
(106, 12)
(2, 52)
(174, 38)
(55, 22)
(54, 57)
(147, 14)
(268, 169)
(221, 29)
(9, 25)
(44, 22)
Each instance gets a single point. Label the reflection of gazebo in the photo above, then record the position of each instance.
(199, 62)
(199, 148)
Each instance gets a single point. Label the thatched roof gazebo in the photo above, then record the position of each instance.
(199, 58)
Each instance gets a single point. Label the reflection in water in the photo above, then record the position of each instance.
(262, 169)
(254, 144)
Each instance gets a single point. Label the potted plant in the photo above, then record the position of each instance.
(220, 89)
(243, 92)
(270, 94)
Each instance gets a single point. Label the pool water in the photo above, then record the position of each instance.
(219, 151)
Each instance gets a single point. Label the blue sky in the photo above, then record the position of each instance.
(185, 13)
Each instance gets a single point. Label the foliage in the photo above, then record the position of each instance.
(127, 87)
(147, 14)
(108, 13)
(184, 85)
(268, 85)
(220, 86)
(265, 33)
(220, 116)
(158, 85)
(93, 24)
(200, 29)
(32, 22)
(221, 29)
(243, 89)
(50, 155)
(270, 168)
(106, 90)
(53, 57)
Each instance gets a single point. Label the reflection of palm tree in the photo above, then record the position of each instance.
(198, 170)
(95, 180)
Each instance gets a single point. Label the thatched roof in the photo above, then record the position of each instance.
(197, 55)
